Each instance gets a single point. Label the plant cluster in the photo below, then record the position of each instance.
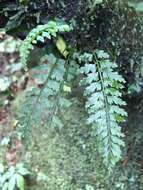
(13, 177)
(102, 90)
(73, 100)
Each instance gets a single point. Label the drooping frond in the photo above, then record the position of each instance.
(104, 103)
(40, 33)
(45, 103)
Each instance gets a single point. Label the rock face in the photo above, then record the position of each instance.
(112, 26)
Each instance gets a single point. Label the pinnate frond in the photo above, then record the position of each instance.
(104, 103)
(45, 103)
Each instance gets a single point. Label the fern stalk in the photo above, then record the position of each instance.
(108, 119)
(56, 104)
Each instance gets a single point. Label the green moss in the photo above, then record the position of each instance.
(65, 159)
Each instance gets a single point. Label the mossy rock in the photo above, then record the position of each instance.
(62, 159)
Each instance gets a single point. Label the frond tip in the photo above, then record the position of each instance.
(39, 33)
(104, 101)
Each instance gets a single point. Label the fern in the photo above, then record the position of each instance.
(104, 102)
(39, 33)
(45, 104)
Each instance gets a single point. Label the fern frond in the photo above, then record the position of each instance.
(39, 33)
(44, 103)
(104, 101)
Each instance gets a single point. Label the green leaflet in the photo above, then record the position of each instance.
(20, 181)
(61, 46)
(104, 101)
(5, 186)
(12, 182)
(39, 33)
